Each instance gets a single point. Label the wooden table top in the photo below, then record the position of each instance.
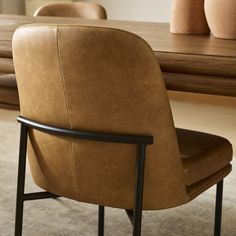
(156, 34)
(207, 63)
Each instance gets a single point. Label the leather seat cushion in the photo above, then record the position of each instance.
(202, 154)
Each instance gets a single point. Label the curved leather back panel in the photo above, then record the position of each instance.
(104, 80)
(76, 9)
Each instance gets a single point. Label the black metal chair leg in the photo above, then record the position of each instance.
(21, 180)
(218, 208)
(19, 217)
(137, 216)
(137, 223)
(130, 214)
(101, 213)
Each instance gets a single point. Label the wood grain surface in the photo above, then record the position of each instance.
(190, 63)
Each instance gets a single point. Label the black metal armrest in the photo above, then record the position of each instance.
(103, 137)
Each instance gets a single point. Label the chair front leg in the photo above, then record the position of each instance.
(218, 208)
(21, 180)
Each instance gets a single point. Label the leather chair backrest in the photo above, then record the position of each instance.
(104, 80)
(85, 10)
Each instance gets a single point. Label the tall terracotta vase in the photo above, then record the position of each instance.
(188, 17)
(221, 17)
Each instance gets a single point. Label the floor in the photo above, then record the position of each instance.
(68, 218)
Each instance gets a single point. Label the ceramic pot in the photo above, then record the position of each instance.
(221, 17)
(188, 17)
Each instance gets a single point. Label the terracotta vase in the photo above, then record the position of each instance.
(221, 17)
(188, 17)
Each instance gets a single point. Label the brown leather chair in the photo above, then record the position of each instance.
(92, 113)
(85, 10)
(8, 92)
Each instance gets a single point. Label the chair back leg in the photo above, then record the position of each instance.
(218, 208)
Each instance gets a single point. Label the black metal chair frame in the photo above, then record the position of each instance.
(135, 215)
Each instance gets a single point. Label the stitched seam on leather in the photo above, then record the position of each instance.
(67, 108)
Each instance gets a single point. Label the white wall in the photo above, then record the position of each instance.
(12, 6)
(138, 10)
(142, 10)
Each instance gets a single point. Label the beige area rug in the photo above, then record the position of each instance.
(64, 217)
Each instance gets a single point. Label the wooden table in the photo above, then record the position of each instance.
(200, 64)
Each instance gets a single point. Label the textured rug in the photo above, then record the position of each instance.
(65, 217)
